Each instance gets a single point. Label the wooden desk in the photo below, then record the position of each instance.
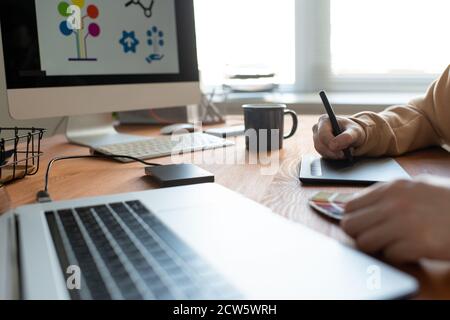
(282, 191)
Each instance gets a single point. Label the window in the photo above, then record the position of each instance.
(258, 34)
(338, 45)
(401, 37)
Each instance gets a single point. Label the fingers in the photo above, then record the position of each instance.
(380, 221)
(402, 252)
(344, 141)
(356, 223)
(322, 148)
(375, 231)
(367, 198)
(379, 236)
(325, 131)
(330, 146)
(326, 152)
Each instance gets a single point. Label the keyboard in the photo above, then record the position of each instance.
(165, 146)
(125, 252)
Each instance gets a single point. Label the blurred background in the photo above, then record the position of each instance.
(347, 45)
(366, 53)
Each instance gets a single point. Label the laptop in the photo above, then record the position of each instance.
(193, 242)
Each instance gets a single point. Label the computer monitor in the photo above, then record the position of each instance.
(86, 59)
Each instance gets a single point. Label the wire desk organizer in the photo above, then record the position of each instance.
(20, 152)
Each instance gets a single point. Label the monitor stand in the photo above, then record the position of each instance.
(96, 130)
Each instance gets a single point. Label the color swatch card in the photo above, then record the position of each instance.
(330, 204)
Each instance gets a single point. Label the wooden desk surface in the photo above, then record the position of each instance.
(282, 191)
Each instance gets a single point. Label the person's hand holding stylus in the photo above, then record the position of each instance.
(335, 136)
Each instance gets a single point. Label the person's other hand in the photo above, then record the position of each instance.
(332, 147)
(403, 220)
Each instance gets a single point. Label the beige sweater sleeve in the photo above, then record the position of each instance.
(422, 123)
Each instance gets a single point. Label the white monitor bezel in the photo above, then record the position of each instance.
(24, 104)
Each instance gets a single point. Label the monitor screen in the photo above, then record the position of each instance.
(57, 43)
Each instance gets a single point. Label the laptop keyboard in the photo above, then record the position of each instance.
(123, 251)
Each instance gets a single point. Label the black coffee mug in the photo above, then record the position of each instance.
(264, 126)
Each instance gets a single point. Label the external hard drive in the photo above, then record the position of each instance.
(179, 175)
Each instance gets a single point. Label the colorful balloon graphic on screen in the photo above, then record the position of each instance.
(75, 23)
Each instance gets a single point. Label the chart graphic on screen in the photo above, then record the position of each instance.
(94, 37)
(148, 10)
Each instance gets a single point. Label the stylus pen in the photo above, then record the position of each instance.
(334, 123)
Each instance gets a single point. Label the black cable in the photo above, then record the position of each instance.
(44, 196)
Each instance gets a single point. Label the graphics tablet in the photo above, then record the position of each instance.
(317, 170)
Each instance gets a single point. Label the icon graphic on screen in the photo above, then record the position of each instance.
(129, 42)
(74, 24)
(156, 41)
(148, 11)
